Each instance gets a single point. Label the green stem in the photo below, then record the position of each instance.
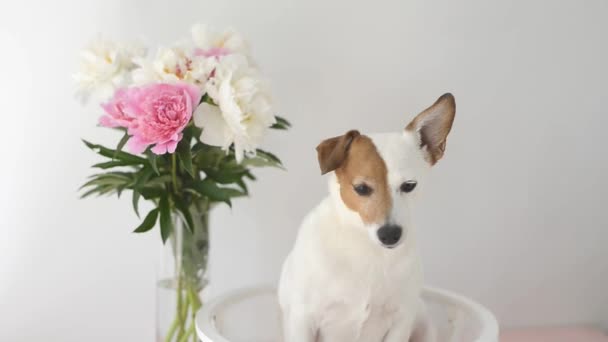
(195, 300)
(187, 284)
(185, 309)
(196, 304)
(178, 313)
(172, 330)
(189, 333)
(174, 172)
(188, 303)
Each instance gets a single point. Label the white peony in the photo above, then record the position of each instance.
(105, 66)
(211, 43)
(244, 108)
(172, 65)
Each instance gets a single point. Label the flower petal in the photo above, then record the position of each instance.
(201, 35)
(239, 152)
(193, 92)
(136, 145)
(209, 118)
(159, 149)
(106, 121)
(171, 146)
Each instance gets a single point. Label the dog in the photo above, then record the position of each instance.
(354, 274)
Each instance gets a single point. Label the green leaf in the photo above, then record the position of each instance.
(281, 123)
(206, 156)
(211, 190)
(114, 179)
(160, 180)
(119, 189)
(268, 156)
(141, 177)
(184, 211)
(107, 189)
(110, 153)
(250, 176)
(135, 201)
(207, 99)
(185, 156)
(96, 189)
(148, 222)
(263, 159)
(241, 183)
(114, 163)
(121, 144)
(122, 174)
(152, 160)
(166, 226)
(101, 189)
(151, 193)
(226, 175)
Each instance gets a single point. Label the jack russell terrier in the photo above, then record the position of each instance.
(354, 274)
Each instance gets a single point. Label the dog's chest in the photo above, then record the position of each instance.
(358, 323)
(363, 308)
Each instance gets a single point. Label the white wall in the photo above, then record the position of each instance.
(515, 217)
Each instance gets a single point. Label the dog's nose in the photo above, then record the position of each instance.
(389, 234)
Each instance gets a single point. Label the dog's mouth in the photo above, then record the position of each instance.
(390, 246)
(393, 245)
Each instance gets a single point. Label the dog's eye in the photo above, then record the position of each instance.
(408, 186)
(363, 189)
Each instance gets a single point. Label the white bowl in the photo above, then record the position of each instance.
(252, 315)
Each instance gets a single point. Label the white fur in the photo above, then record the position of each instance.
(339, 284)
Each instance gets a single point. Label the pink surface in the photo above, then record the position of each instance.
(554, 335)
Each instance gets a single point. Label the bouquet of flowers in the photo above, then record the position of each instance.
(191, 117)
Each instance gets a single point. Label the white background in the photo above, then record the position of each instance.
(515, 217)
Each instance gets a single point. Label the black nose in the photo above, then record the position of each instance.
(389, 234)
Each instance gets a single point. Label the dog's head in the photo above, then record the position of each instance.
(378, 176)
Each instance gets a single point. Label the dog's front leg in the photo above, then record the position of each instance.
(401, 329)
(423, 330)
(299, 328)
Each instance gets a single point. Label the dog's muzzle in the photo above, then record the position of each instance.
(389, 235)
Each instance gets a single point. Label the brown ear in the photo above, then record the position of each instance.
(433, 126)
(332, 152)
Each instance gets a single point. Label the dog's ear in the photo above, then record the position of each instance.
(433, 126)
(332, 152)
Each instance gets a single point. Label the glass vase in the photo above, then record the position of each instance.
(182, 277)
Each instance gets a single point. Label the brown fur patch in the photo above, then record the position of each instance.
(365, 165)
(434, 125)
(333, 151)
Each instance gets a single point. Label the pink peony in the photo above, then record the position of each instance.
(154, 114)
(115, 114)
(212, 52)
